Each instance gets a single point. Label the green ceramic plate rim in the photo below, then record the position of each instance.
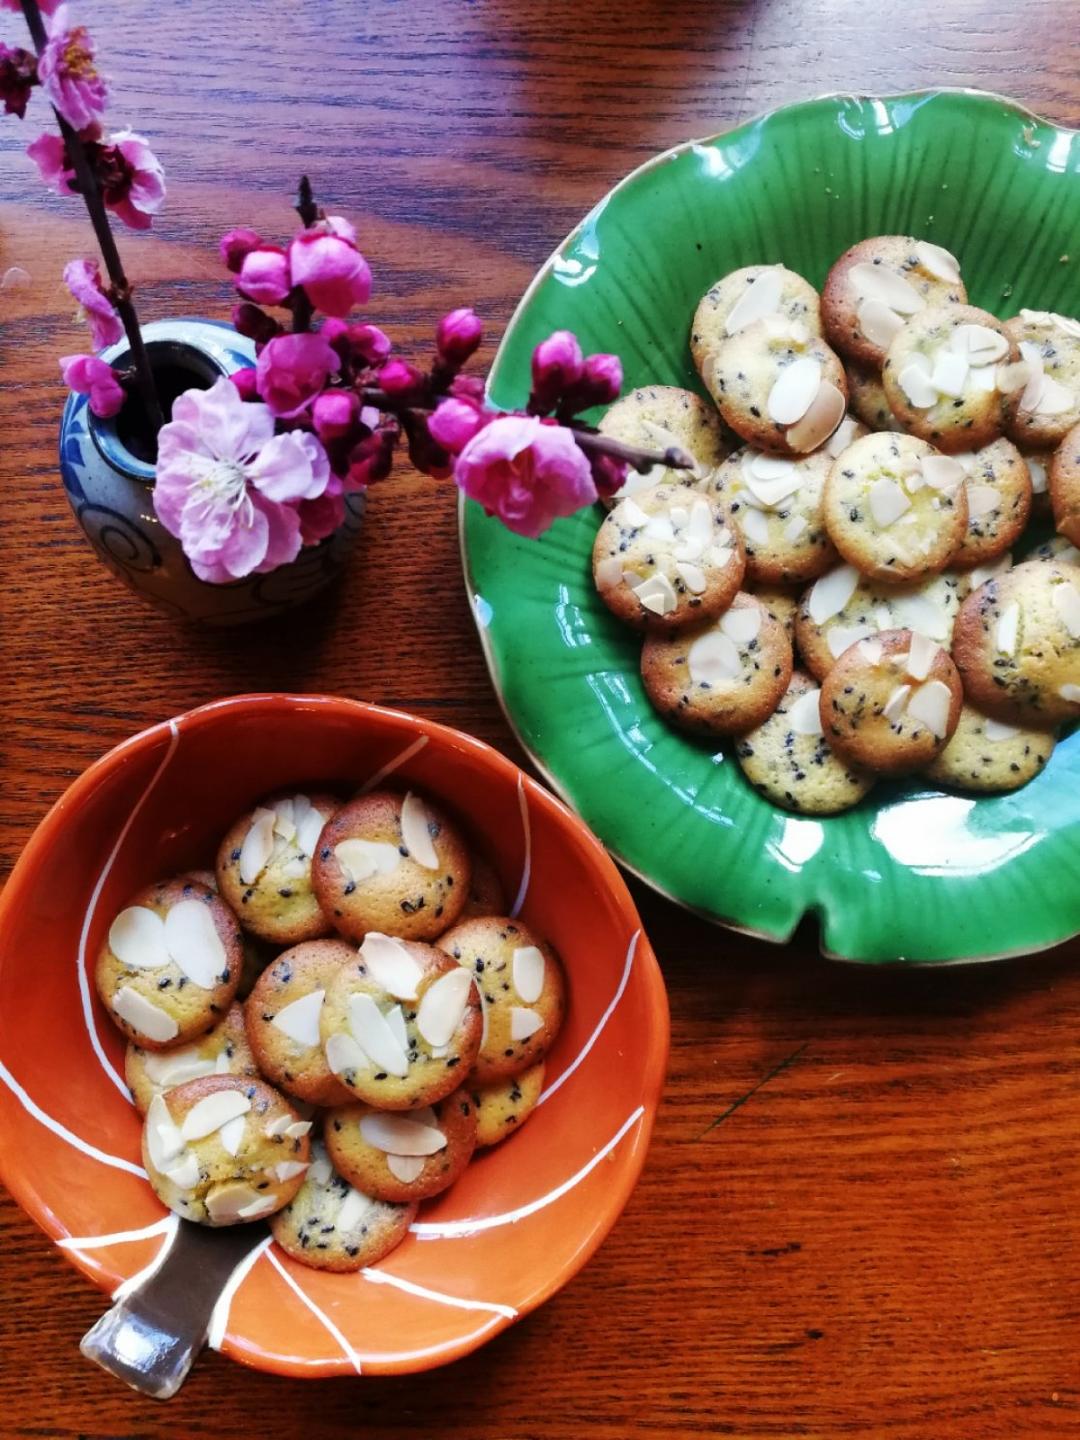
(552, 780)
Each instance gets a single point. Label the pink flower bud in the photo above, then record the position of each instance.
(332, 271)
(87, 375)
(244, 380)
(334, 413)
(602, 381)
(370, 460)
(292, 370)
(457, 336)
(468, 387)
(369, 343)
(401, 380)
(557, 363)
(235, 244)
(255, 324)
(426, 454)
(264, 275)
(454, 424)
(320, 518)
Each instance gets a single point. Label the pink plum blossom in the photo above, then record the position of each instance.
(229, 488)
(526, 472)
(235, 244)
(370, 459)
(457, 336)
(363, 344)
(292, 370)
(320, 518)
(600, 383)
(454, 423)
(83, 279)
(131, 177)
(334, 413)
(87, 375)
(67, 71)
(264, 275)
(333, 273)
(49, 154)
(557, 363)
(401, 380)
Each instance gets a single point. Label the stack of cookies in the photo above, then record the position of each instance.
(833, 583)
(397, 1020)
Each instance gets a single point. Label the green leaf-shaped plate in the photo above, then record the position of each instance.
(913, 873)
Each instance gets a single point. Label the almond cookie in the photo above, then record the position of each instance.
(844, 606)
(1017, 644)
(894, 507)
(667, 557)
(951, 377)
(867, 398)
(778, 386)
(521, 986)
(787, 759)
(224, 1150)
(877, 284)
(394, 864)
(486, 893)
(1049, 401)
(264, 867)
(282, 1016)
(988, 756)
(503, 1106)
(330, 1225)
(656, 417)
(170, 964)
(890, 703)
(998, 489)
(224, 1050)
(403, 1158)
(744, 296)
(400, 1024)
(1065, 486)
(722, 678)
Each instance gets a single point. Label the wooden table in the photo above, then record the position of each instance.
(859, 1216)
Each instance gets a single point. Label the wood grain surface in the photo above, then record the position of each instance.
(859, 1217)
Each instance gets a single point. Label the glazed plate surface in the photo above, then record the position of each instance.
(913, 873)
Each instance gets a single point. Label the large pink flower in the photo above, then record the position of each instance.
(332, 271)
(292, 370)
(67, 71)
(83, 279)
(525, 472)
(131, 177)
(87, 375)
(229, 488)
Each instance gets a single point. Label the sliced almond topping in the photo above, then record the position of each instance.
(264, 1205)
(805, 715)
(194, 943)
(173, 1067)
(321, 1171)
(524, 1023)
(878, 282)
(696, 534)
(768, 467)
(950, 373)
(277, 1126)
(443, 1005)
(841, 437)
(938, 261)
(982, 379)
(742, 625)
(781, 479)
(713, 658)
(360, 859)
(395, 1018)
(656, 594)
(1008, 629)
(163, 1139)
(396, 1134)
(660, 527)
(831, 593)
(1067, 604)
(930, 706)
(185, 1173)
(258, 846)
(300, 1019)
(1013, 376)
(871, 651)
(1069, 691)
(798, 333)
(980, 344)
(286, 1170)
(719, 555)
(894, 706)
(943, 473)
(213, 1111)
(144, 1016)
(137, 938)
(308, 830)
(609, 571)
(405, 1168)
(297, 1129)
(284, 822)
(982, 573)
(879, 322)
(416, 832)
(343, 1053)
(755, 527)
(795, 528)
(354, 1209)
(887, 502)
(225, 1204)
(528, 968)
(1066, 324)
(914, 380)
(841, 637)
(630, 515)
(792, 394)
(1054, 398)
(692, 576)
(231, 1134)
(921, 656)
(1037, 471)
(995, 731)
(374, 1035)
(821, 419)
(760, 298)
(982, 500)
(391, 965)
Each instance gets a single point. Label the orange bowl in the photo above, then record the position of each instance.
(524, 1218)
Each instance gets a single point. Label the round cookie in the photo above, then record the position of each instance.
(946, 375)
(775, 505)
(282, 1017)
(778, 387)
(722, 678)
(1049, 403)
(844, 606)
(667, 557)
(998, 488)
(744, 296)
(224, 1150)
(781, 604)
(330, 1225)
(396, 865)
(1017, 644)
(894, 508)
(170, 964)
(486, 893)
(787, 758)
(224, 1050)
(877, 284)
(403, 1158)
(400, 1025)
(656, 417)
(503, 1106)
(1056, 548)
(890, 703)
(1065, 486)
(867, 398)
(521, 984)
(986, 756)
(264, 867)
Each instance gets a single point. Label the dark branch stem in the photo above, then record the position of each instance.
(99, 219)
(302, 309)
